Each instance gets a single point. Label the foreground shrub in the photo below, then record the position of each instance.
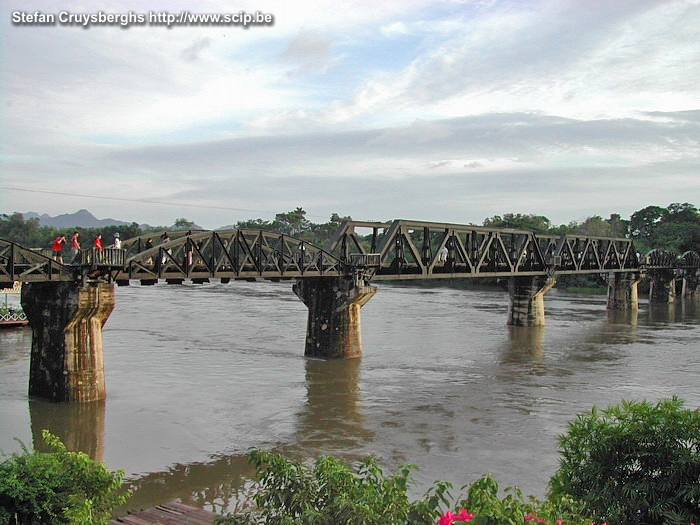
(57, 487)
(633, 463)
(287, 492)
(488, 508)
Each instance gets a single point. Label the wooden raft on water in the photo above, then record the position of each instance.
(172, 513)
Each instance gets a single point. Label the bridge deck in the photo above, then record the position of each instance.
(172, 513)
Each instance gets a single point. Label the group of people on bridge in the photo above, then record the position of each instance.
(75, 248)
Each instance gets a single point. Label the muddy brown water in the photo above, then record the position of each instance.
(198, 374)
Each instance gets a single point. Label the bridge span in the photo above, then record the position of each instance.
(67, 304)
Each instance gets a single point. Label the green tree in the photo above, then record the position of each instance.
(57, 487)
(15, 228)
(291, 223)
(321, 234)
(183, 224)
(633, 463)
(642, 222)
(596, 226)
(537, 223)
(681, 213)
(254, 224)
(619, 226)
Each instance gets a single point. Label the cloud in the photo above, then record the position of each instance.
(307, 46)
(192, 52)
(444, 106)
(394, 29)
(310, 52)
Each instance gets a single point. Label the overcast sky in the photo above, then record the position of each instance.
(427, 110)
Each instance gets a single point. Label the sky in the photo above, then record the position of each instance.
(446, 111)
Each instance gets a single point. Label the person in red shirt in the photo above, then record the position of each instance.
(57, 248)
(74, 246)
(98, 242)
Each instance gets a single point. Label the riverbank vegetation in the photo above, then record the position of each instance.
(58, 486)
(631, 464)
(636, 463)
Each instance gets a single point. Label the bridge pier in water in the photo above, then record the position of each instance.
(526, 306)
(662, 286)
(67, 319)
(691, 285)
(334, 303)
(622, 291)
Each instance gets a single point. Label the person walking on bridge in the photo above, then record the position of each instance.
(117, 241)
(57, 248)
(165, 239)
(74, 246)
(98, 243)
(443, 255)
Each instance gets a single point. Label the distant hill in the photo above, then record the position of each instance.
(85, 219)
(81, 218)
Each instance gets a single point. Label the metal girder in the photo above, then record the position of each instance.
(237, 254)
(413, 250)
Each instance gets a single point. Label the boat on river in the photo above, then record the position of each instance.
(11, 316)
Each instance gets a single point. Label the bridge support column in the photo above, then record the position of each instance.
(333, 328)
(622, 291)
(691, 285)
(66, 320)
(662, 287)
(527, 299)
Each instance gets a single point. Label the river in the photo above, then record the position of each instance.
(197, 374)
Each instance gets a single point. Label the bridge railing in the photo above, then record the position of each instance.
(18, 263)
(107, 257)
(365, 260)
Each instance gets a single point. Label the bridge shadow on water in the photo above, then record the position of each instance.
(331, 420)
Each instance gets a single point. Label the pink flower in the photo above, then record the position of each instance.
(533, 517)
(447, 519)
(560, 522)
(464, 516)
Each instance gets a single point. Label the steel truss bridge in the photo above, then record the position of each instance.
(400, 249)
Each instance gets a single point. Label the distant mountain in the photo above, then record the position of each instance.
(81, 218)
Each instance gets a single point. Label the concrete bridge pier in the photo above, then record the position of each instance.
(67, 320)
(691, 285)
(526, 306)
(333, 327)
(622, 291)
(662, 287)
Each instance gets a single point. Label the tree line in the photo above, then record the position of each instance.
(675, 227)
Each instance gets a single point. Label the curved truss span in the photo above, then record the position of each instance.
(18, 263)
(230, 254)
(689, 260)
(660, 259)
